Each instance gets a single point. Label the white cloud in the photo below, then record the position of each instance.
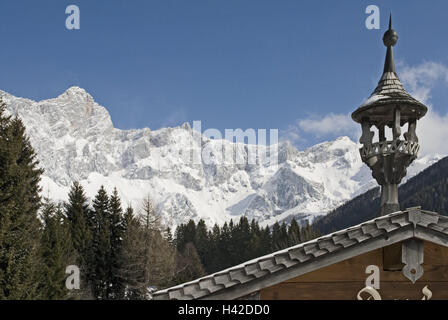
(432, 132)
(420, 80)
(291, 134)
(330, 125)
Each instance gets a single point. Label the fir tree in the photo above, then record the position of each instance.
(224, 246)
(81, 225)
(127, 218)
(116, 238)
(215, 255)
(284, 236)
(19, 204)
(201, 243)
(277, 237)
(102, 246)
(294, 233)
(169, 236)
(266, 245)
(190, 233)
(240, 241)
(56, 251)
(131, 260)
(255, 250)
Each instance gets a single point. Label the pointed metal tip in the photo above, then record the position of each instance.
(390, 37)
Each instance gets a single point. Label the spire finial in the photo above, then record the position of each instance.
(390, 21)
(390, 39)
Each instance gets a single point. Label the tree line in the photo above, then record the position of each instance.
(233, 243)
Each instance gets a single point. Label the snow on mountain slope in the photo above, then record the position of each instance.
(75, 140)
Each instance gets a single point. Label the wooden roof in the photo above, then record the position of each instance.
(292, 262)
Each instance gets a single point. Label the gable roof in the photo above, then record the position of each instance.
(295, 261)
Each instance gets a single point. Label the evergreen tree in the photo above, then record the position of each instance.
(127, 218)
(169, 236)
(102, 246)
(308, 232)
(255, 228)
(294, 233)
(179, 237)
(81, 224)
(241, 240)
(131, 260)
(284, 236)
(233, 247)
(188, 265)
(255, 249)
(266, 245)
(117, 226)
(215, 255)
(201, 243)
(19, 204)
(224, 246)
(276, 237)
(189, 233)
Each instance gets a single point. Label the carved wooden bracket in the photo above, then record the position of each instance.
(412, 258)
(367, 135)
(411, 134)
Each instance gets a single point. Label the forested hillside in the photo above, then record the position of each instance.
(429, 189)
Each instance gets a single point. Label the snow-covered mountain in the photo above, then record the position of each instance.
(75, 140)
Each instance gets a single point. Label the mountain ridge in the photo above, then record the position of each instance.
(75, 140)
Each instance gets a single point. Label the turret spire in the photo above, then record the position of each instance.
(389, 107)
(390, 39)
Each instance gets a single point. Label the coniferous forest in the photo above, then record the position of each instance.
(122, 253)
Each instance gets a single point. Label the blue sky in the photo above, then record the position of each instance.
(229, 63)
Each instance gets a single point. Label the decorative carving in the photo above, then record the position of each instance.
(427, 294)
(381, 133)
(367, 135)
(375, 295)
(389, 147)
(412, 257)
(411, 134)
(396, 129)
